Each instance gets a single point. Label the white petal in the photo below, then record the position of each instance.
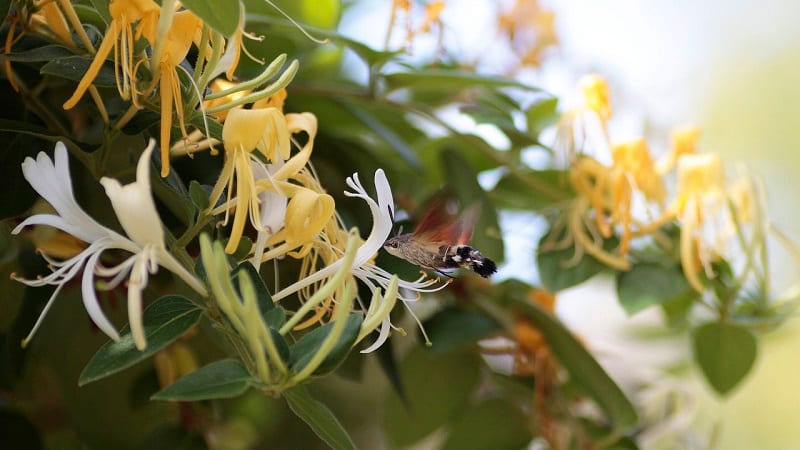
(382, 336)
(53, 183)
(134, 206)
(90, 300)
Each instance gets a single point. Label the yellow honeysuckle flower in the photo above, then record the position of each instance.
(268, 131)
(596, 96)
(633, 162)
(683, 141)
(700, 198)
(176, 44)
(120, 37)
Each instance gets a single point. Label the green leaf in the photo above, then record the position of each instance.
(275, 318)
(541, 115)
(492, 424)
(438, 386)
(221, 379)
(198, 195)
(304, 349)
(166, 320)
(284, 28)
(583, 370)
(460, 174)
(725, 352)
(40, 54)
(448, 80)
(265, 303)
(649, 284)
(557, 272)
(74, 67)
(394, 140)
(511, 193)
(452, 328)
(319, 418)
(221, 15)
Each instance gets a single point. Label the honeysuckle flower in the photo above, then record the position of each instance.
(683, 141)
(699, 205)
(175, 47)
(120, 37)
(610, 192)
(583, 130)
(244, 131)
(530, 30)
(134, 207)
(362, 267)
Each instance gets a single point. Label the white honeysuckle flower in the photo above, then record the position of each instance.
(135, 209)
(362, 268)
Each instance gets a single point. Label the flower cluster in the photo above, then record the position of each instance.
(267, 188)
(627, 197)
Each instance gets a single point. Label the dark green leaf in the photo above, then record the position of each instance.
(221, 15)
(492, 424)
(265, 303)
(166, 320)
(650, 284)
(557, 271)
(243, 249)
(387, 134)
(74, 67)
(453, 328)
(305, 348)
(725, 352)
(319, 418)
(583, 370)
(511, 193)
(439, 386)
(198, 195)
(101, 6)
(281, 26)
(220, 379)
(275, 318)
(447, 80)
(40, 54)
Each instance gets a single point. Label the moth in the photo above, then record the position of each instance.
(441, 241)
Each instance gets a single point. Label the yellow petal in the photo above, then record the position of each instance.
(596, 95)
(243, 129)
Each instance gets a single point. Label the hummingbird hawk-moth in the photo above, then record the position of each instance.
(441, 241)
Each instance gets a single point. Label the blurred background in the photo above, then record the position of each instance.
(730, 67)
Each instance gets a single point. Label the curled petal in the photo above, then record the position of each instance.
(134, 206)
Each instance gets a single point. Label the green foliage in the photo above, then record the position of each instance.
(491, 424)
(221, 15)
(166, 320)
(584, 371)
(558, 269)
(438, 386)
(454, 328)
(220, 379)
(725, 352)
(649, 284)
(319, 418)
(307, 346)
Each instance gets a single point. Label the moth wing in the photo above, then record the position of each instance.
(466, 224)
(438, 224)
